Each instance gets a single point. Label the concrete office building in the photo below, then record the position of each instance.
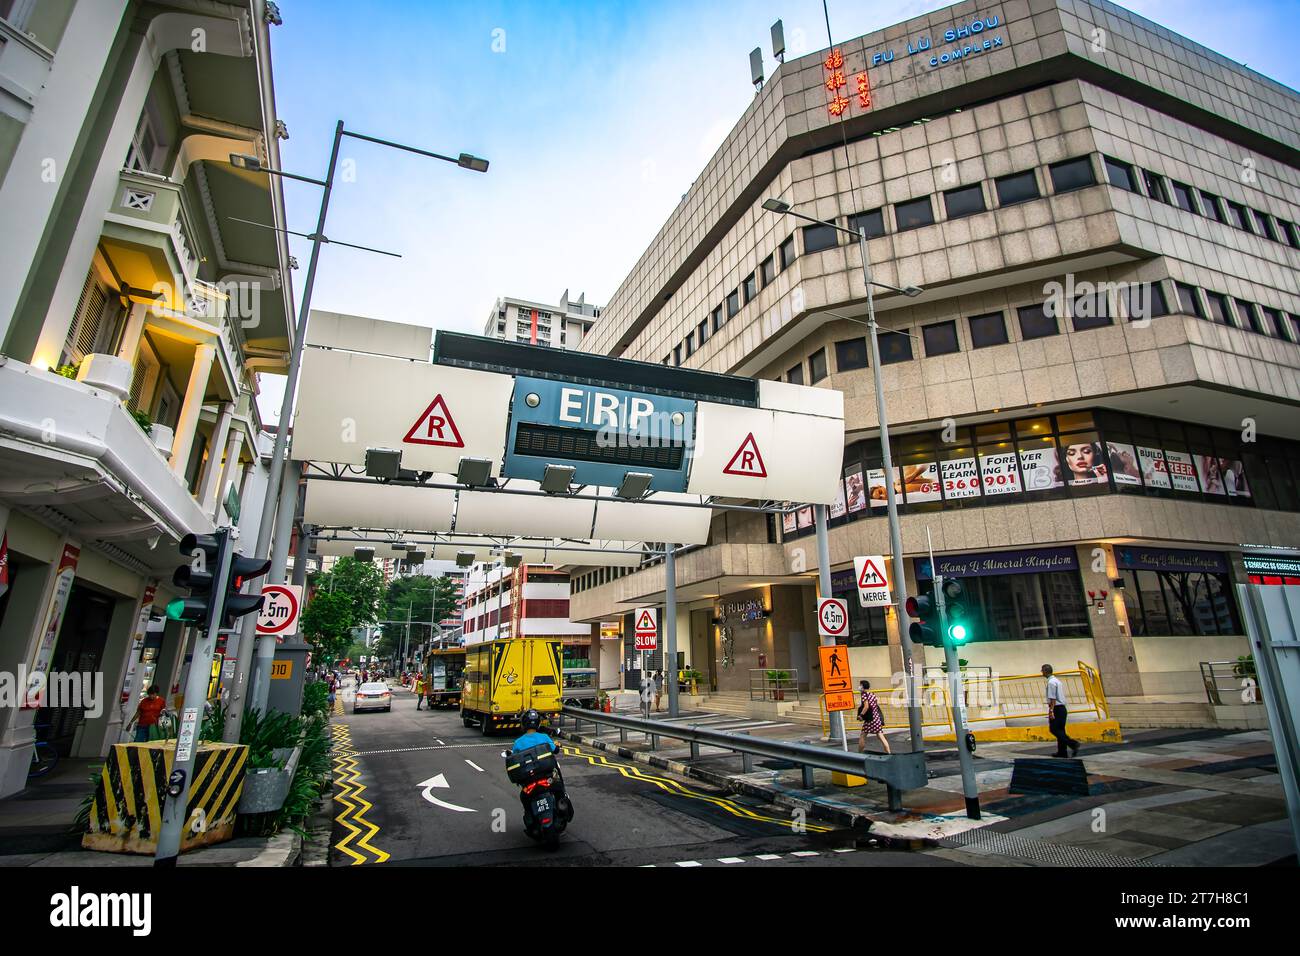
(564, 325)
(1095, 400)
(134, 313)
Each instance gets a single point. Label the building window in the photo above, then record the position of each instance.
(1120, 174)
(768, 271)
(914, 213)
(1091, 312)
(703, 331)
(1265, 224)
(1144, 300)
(986, 330)
(940, 339)
(850, 354)
(1035, 323)
(873, 221)
(817, 366)
(1210, 206)
(895, 346)
(1238, 216)
(788, 254)
(1189, 303)
(1024, 607)
(1274, 321)
(751, 288)
(668, 360)
(1248, 316)
(733, 303)
(1155, 186)
(1291, 233)
(718, 320)
(677, 355)
(965, 201)
(1179, 603)
(1072, 174)
(1218, 304)
(1018, 187)
(690, 345)
(819, 237)
(795, 375)
(1183, 196)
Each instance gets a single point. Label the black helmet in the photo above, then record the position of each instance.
(531, 720)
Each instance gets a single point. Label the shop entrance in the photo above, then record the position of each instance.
(80, 649)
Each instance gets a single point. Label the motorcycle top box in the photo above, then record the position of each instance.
(527, 766)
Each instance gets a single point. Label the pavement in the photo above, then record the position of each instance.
(1161, 798)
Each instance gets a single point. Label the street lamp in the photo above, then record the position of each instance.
(891, 501)
(266, 651)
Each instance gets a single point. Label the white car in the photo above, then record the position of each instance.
(373, 696)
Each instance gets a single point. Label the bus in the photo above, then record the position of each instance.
(444, 670)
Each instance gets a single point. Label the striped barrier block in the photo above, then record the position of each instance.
(126, 814)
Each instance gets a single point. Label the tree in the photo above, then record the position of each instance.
(345, 597)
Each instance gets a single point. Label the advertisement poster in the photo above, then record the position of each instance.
(1155, 474)
(788, 522)
(1234, 477)
(960, 479)
(922, 482)
(1208, 470)
(53, 619)
(876, 487)
(1084, 462)
(838, 506)
(856, 490)
(805, 518)
(1182, 471)
(129, 690)
(1040, 468)
(1001, 477)
(1123, 463)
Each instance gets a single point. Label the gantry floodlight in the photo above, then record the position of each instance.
(403, 545)
(776, 205)
(911, 292)
(466, 161)
(634, 485)
(557, 478)
(364, 555)
(383, 462)
(245, 161)
(464, 559)
(415, 557)
(473, 472)
(512, 559)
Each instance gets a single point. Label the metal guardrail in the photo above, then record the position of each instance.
(765, 685)
(1229, 680)
(898, 772)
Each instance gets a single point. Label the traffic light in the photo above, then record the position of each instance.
(243, 569)
(923, 612)
(954, 606)
(204, 552)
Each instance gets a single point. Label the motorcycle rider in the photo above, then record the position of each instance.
(533, 736)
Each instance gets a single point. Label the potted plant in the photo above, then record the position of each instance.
(1244, 670)
(775, 677)
(273, 742)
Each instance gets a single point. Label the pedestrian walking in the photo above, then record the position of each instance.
(1056, 715)
(146, 714)
(659, 688)
(873, 719)
(420, 688)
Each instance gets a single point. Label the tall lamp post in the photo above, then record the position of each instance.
(266, 647)
(895, 533)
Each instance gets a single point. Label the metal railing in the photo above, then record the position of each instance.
(1227, 680)
(773, 683)
(898, 772)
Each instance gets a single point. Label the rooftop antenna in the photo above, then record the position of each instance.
(778, 41)
(756, 68)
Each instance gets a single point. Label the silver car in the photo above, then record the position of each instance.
(374, 695)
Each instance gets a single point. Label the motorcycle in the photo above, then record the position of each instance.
(547, 807)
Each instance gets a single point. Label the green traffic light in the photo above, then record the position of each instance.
(175, 609)
(957, 632)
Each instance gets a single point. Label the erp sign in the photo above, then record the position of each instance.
(602, 432)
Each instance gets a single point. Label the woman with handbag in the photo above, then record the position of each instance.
(873, 721)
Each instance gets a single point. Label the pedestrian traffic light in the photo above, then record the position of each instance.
(242, 570)
(198, 575)
(921, 609)
(954, 606)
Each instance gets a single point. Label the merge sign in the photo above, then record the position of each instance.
(873, 584)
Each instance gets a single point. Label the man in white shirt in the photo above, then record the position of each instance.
(1056, 715)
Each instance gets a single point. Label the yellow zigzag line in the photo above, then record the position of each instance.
(673, 786)
(350, 788)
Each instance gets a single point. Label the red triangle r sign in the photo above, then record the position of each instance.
(435, 426)
(747, 462)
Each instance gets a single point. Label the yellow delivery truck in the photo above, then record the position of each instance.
(507, 677)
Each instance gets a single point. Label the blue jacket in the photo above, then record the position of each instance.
(532, 739)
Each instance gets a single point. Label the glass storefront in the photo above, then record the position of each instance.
(1169, 593)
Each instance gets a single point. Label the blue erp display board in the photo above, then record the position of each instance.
(602, 432)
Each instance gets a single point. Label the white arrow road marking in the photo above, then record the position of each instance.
(440, 781)
(474, 765)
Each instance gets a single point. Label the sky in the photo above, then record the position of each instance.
(596, 118)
